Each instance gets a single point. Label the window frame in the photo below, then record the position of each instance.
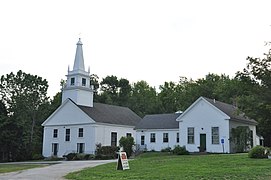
(114, 139)
(190, 135)
(177, 137)
(55, 133)
(215, 135)
(81, 133)
(165, 138)
(53, 149)
(84, 82)
(152, 138)
(142, 140)
(68, 135)
(72, 81)
(80, 147)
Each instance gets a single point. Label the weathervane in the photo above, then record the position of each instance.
(80, 35)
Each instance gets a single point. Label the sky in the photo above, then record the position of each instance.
(151, 40)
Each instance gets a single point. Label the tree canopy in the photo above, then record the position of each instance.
(24, 96)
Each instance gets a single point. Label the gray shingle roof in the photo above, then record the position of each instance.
(159, 121)
(111, 114)
(231, 111)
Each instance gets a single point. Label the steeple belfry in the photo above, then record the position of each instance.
(78, 87)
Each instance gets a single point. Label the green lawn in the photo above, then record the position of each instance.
(163, 166)
(5, 168)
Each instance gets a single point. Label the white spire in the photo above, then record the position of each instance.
(78, 87)
(79, 58)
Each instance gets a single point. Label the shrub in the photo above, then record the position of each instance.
(89, 157)
(37, 157)
(104, 157)
(53, 158)
(108, 152)
(178, 150)
(70, 156)
(79, 156)
(168, 149)
(258, 152)
(127, 143)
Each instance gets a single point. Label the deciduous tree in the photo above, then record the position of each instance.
(23, 94)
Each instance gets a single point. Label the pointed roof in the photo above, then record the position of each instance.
(99, 113)
(229, 110)
(111, 114)
(79, 58)
(232, 111)
(159, 121)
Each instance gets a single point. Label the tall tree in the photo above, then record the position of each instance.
(168, 96)
(109, 90)
(94, 80)
(258, 71)
(24, 94)
(115, 91)
(144, 99)
(124, 92)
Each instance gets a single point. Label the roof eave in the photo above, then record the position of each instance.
(244, 121)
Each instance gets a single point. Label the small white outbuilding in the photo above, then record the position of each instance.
(207, 124)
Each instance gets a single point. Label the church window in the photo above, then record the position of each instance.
(142, 140)
(152, 139)
(128, 134)
(113, 139)
(80, 132)
(55, 132)
(80, 147)
(68, 133)
(72, 81)
(165, 137)
(190, 135)
(215, 135)
(54, 148)
(84, 81)
(177, 137)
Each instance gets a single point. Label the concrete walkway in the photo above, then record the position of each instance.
(52, 172)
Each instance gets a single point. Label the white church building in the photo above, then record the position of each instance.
(79, 124)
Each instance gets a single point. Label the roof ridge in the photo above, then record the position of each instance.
(111, 105)
(162, 114)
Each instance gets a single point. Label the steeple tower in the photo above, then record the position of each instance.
(79, 58)
(78, 87)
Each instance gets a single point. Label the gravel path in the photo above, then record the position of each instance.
(52, 172)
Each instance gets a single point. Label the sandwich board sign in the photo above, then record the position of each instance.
(122, 161)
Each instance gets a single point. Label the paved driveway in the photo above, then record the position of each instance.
(52, 172)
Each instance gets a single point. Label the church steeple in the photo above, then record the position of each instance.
(79, 58)
(78, 87)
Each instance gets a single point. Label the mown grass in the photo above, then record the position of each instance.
(5, 168)
(164, 166)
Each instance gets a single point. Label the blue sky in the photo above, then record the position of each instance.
(150, 40)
